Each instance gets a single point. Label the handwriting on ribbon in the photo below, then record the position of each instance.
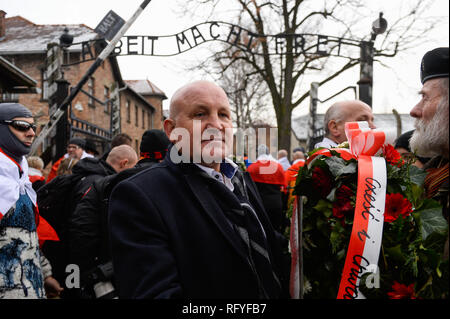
(370, 187)
(356, 271)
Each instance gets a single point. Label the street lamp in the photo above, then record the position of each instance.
(379, 26)
(66, 39)
(365, 82)
(62, 89)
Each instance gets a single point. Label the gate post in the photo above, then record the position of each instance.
(366, 72)
(313, 96)
(62, 127)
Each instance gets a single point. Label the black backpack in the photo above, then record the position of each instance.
(54, 200)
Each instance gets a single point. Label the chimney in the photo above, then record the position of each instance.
(2, 24)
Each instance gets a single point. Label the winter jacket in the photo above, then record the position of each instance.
(88, 234)
(89, 169)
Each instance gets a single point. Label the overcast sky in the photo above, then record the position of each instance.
(394, 87)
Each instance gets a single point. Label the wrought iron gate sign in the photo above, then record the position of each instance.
(304, 44)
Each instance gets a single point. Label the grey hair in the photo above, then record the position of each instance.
(335, 113)
(444, 88)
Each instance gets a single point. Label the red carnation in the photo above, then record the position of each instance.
(321, 181)
(343, 205)
(401, 291)
(396, 205)
(392, 156)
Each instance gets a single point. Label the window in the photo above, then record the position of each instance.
(91, 91)
(7, 97)
(44, 85)
(128, 111)
(137, 146)
(143, 118)
(150, 120)
(136, 115)
(106, 99)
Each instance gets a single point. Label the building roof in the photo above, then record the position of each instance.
(14, 80)
(300, 123)
(140, 97)
(23, 36)
(146, 88)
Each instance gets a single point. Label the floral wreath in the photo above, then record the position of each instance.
(410, 263)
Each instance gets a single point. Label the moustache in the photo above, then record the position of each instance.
(212, 134)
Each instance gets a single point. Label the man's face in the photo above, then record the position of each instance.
(431, 96)
(432, 114)
(74, 151)
(26, 137)
(203, 113)
(355, 111)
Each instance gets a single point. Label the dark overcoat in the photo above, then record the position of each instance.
(170, 238)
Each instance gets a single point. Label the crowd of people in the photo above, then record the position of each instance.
(152, 226)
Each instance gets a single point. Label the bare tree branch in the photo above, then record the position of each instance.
(282, 74)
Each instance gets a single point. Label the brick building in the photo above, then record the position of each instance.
(135, 116)
(25, 45)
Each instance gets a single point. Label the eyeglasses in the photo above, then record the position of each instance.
(22, 126)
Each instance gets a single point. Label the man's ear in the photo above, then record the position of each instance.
(123, 163)
(333, 129)
(169, 125)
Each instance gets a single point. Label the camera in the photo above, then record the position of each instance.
(100, 279)
(104, 290)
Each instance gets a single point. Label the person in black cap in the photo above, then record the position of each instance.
(153, 146)
(431, 137)
(75, 150)
(89, 239)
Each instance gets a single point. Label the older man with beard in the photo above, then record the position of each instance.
(431, 137)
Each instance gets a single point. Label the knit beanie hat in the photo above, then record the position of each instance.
(154, 144)
(8, 141)
(77, 141)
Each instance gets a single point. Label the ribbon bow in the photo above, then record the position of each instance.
(365, 141)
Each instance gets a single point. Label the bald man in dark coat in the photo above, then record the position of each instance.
(194, 229)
